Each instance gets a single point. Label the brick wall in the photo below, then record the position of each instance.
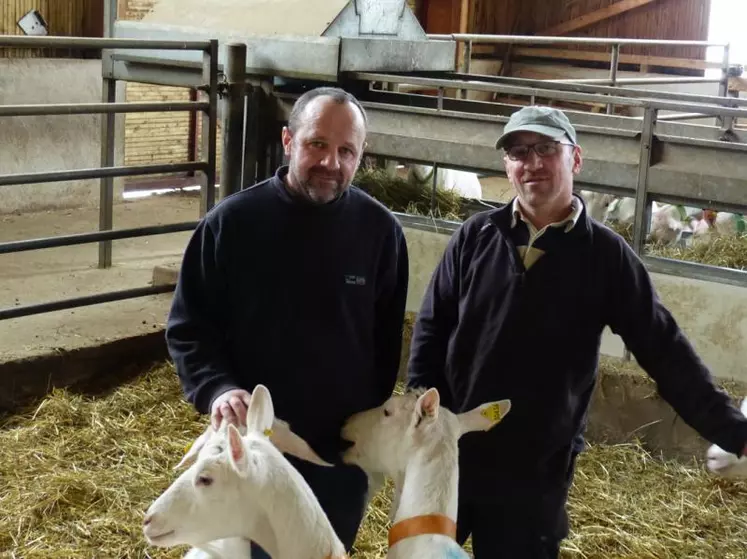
(155, 138)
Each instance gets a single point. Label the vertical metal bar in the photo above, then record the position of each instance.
(440, 99)
(251, 135)
(614, 63)
(106, 184)
(725, 123)
(434, 188)
(192, 133)
(466, 65)
(640, 227)
(233, 120)
(642, 210)
(209, 125)
(267, 129)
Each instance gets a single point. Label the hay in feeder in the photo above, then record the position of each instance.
(727, 251)
(408, 195)
(78, 472)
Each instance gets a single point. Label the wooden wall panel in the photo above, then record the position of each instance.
(500, 17)
(662, 19)
(69, 18)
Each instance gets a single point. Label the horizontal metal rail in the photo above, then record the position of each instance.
(695, 270)
(620, 91)
(682, 116)
(82, 174)
(553, 94)
(64, 304)
(530, 39)
(83, 238)
(23, 41)
(101, 108)
(636, 81)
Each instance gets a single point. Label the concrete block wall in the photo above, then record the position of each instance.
(51, 143)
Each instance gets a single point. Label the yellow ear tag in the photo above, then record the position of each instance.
(267, 432)
(493, 413)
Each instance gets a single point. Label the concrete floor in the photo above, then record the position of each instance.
(45, 275)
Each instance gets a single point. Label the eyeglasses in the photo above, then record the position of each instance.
(520, 152)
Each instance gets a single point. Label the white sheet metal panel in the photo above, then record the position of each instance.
(291, 56)
(249, 17)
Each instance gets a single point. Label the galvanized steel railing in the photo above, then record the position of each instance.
(107, 172)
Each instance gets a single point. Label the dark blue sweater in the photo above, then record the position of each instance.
(307, 300)
(488, 329)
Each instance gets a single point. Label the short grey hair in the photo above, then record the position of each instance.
(338, 95)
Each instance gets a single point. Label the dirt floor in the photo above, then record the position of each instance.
(45, 275)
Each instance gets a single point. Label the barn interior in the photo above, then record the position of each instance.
(89, 259)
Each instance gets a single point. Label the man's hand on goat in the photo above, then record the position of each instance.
(231, 406)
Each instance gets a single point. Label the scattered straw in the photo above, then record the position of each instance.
(78, 472)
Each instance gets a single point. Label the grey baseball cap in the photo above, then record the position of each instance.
(542, 120)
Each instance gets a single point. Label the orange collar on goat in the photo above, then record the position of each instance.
(420, 525)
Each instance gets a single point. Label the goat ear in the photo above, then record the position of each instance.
(237, 451)
(744, 406)
(189, 458)
(261, 413)
(483, 417)
(426, 408)
(288, 442)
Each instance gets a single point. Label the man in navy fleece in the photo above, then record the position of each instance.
(298, 283)
(515, 309)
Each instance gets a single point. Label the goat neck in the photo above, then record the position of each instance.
(301, 527)
(427, 504)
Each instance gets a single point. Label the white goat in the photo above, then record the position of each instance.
(597, 203)
(411, 439)
(243, 487)
(465, 183)
(726, 464)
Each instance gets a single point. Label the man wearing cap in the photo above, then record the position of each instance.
(515, 309)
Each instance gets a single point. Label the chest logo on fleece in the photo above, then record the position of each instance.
(355, 280)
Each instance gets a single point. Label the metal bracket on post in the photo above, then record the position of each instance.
(209, 125)
(614, 63)
(233, 120)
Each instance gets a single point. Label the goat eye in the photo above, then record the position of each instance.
(205, 481)
(387, 413)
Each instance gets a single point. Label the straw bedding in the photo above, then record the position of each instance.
(77, 473)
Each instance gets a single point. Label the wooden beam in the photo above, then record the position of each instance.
(594, 17)
(665, 61)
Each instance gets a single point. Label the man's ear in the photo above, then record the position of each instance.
(578, 160)
(286, 137)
